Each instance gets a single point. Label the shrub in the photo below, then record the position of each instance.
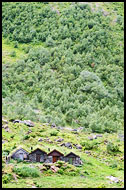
(111, 148)
(13, 54)
(15, 44)
(27, 172)
(89, 145)
(60, 171)
(7, 178)
(54, 133)
(26, 137)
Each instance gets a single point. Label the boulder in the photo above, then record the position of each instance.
(68, 145)
(113, 179)
(7, 129)
(40, 140)
(90, 137)
(59, 140)
(74, 129)
(87, 152)
(53, 125)
(5, 126)
(28, 123)
(54, 169)
(80, 128)
(17, 121)
(63, 144)
(3, 142)
(99, 135)
(29, 132)
(4, 120)
(78, 146)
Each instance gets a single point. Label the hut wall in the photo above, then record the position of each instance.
(49, 159)
(20, 155)
(32, 157)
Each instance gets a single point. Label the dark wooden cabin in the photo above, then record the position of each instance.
(38, 155)
(72, 158)
(56, 155)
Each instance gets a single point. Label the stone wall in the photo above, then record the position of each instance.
(32, 157)
(20, 155)
(49, 159)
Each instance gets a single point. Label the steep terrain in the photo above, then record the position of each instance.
(63, 64)
(102, 157)
(64, 60)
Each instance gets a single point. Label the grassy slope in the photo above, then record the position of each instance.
(97, 168)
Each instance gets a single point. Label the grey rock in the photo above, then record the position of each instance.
(68, 145)
(90, 138)
(78, 146)
(17, 121)
(99, 135)
(40, 140)
(28, 123)
(74, 130)
(5, 126)
(80, 128)
(94, 137)
(4, 120)
(3, 142)
(59, 140)
(29, 132)
(7, 129)
(113, 179)
(53, 125)
(87, 152)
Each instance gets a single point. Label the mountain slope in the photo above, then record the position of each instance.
(69, 65)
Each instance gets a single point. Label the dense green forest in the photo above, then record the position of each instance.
(72, 67)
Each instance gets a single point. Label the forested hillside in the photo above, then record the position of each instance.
(62, 85)
(63, 63)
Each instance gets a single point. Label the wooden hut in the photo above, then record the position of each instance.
(20, 153)
(73, 159)
(37, 155)
(56, 155)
